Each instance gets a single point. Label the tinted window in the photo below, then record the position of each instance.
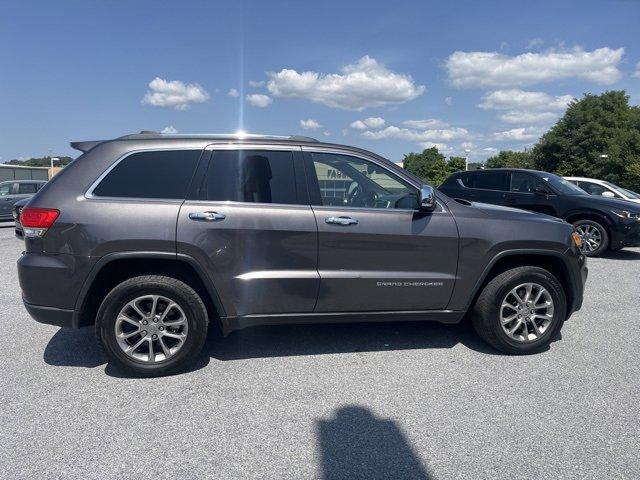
(261, 176)
(5, 189)
(490, 180)
(26, 188)
(158, 174)
(561, 185)
(343, 180)
(525, 183)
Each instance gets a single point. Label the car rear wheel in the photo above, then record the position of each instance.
(521, 310)
(152, 325)
(595, 239)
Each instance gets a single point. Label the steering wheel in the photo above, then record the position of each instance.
(353, 192)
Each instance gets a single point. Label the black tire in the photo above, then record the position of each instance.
(604, 243)
(486, 312)
(179, 292)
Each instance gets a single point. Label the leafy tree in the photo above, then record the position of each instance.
(41, 162)
(430, 165)
(598, 137)
(510, 159)
(475, 165)
(456, 164)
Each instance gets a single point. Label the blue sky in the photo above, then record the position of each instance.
(392, 77)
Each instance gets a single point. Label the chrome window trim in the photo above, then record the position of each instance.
(89, 195)
(252, 146)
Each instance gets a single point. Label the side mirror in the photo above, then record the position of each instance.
(540, 191)
(427, 200)
(608, 194)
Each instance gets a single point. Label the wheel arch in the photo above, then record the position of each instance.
(117, 267)
(553, 262)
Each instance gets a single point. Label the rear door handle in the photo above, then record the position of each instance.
(341, 220)
(207, 216)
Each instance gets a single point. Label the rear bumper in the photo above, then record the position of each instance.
(50, 315)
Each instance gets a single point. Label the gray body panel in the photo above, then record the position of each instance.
(269, 263)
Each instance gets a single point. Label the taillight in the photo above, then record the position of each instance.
(36, 221)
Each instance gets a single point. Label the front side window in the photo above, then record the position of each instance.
(525, 183)
(347, 181)
(163, 174)
(253, 176)
(26, 188)
(5, 189)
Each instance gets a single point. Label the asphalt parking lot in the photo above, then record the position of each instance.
(412, 400)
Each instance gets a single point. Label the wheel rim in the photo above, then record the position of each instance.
(151, 328)
(591, 237)
(526, 312)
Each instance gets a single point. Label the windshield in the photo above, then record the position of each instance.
(624, 191)
(561, 185)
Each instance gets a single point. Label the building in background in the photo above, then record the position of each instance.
(19, 172)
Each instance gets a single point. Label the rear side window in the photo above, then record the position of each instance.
(27, 188)
(254, 176)
(158, 174)
(490, 181)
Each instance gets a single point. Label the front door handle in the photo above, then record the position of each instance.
(207, 216)
(341, 220)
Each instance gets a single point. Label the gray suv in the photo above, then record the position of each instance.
(153, 237)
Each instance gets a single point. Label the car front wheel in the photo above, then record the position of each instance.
(595, 239)
(152, 325)
(521, 310)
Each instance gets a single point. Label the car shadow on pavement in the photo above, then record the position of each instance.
(354, 443)
(295, 340)
(79, 348)
(621, 255)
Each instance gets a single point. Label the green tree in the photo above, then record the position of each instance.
(598, 137)
(430, 165)
(510, 159)
(456, 164)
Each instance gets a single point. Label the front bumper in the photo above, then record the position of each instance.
(627, 234)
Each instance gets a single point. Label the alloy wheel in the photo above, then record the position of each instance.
(526, 312)
(591, 237)
(151, 328)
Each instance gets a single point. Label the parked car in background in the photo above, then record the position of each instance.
(17, 210)
(602, 223)
(153, 237)
(604, 189)
(13, 190)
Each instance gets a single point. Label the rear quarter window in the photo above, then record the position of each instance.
(161, 174)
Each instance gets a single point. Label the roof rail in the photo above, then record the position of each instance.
(152, 134)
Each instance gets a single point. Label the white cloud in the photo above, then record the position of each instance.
(255, 84)
(310, 124)
(169, 129)
(174, 94)
(525, 107)
(259, 100)
(424, 124)
(519, 117)
(534, 43)
(432, 135)
(519, 99)
(442, 147)
(521, 134)
(326, 133)
(448, 100)
(493, 69)
(233, 92)
(365, 84)
(637, 72)
(371, 122)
